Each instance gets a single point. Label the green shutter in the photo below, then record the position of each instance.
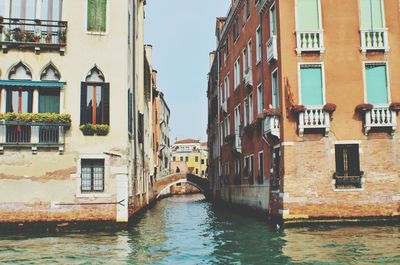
(376, 84)
(49, 102)
(102, 15)
(273, 21)
(91, 22)
(307, 15)
(311, 86)
(371, 14)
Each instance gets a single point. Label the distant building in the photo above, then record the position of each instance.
(302, 109)
(192, 155)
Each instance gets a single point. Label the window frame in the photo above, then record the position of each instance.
(364, 71)
(258, 44)
(299, 66)
(319, 16)
(107, 20)
(103, 194)
(383, 15)
(275, 71)
(260, 96)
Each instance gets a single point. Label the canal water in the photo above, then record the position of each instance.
(188, 230)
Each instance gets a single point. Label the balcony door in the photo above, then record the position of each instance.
(308, 15)
(376, 84)
(19, 101)
(51, 9)
(311, 85)
(25, 9)
(372, 14)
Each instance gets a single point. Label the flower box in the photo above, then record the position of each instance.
(395, 106)
(361, 108)
(329, 107)
(296, 109)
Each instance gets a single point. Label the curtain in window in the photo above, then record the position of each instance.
(371, 14)
(376, 84)
(311, 86)
(23, 9)
(51, 9)
(307, 15)
(97, 13)
(2, 9)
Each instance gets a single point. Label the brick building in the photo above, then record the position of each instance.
(307, 101)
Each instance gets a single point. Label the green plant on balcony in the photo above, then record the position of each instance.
(272, 112)
(37, 117)
(91, 129)
(7, 36)
(102, 129)
(395, 106)
(364, 107)
(297, 109)
(62, 37)
(18, 34)
(29, 37)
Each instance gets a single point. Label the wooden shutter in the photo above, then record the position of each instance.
(83, 103)
(106, 104)
(91, 15)
(9, 101)
(339, 160)
(30, 101)
(353, 160)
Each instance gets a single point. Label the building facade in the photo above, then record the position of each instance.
(190, 154)
(308, 90)
(74, 122)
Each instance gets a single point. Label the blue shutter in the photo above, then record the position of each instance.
(311, 86)
(376, 84)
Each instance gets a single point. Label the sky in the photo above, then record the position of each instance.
(182, 33)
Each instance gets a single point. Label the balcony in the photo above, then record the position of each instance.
(272, 49)
(348, 182)
(374, 40)
(32, 134)
(380, 117)
(310, 41)
(271, 126)
(32, 34)
(248, 78)
(314, 118)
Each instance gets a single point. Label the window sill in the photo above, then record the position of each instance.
(97, 33)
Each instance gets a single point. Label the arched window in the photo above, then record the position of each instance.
(20, 72)
(50, 73)
(95, 98)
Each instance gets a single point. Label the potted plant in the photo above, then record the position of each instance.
(329, 107)
(48, 38)
(18, 34)
(29, 37)
(297, 109)
(88, 129)
(272, 112)
(229, 139)
(395, 106)
(62, 37)
(102, 129)
(37, 37)
(362, 108)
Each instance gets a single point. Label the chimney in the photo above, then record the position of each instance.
(149, 54)
(154, 77)
(212, 57)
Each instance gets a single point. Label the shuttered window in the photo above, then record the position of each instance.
(371, 14)
(95, 103)
(347, 160)
(49, 101)
(19, 101)
(311, 85)
(308, 15)
(376, 82)
(97, 15)
(92, 175)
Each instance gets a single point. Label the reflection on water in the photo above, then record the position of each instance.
(188, 230)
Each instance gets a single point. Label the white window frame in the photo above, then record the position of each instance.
(251, 108)
(323, 79)
(258, 44)
(227, 85)
(249, 54)
(383, 14)
(272, 87)
(236, 73)
(245, 63)
(86, 20)
(364, 64)
(259, 164)
(237, 119)
(260, 99)
(270, 19)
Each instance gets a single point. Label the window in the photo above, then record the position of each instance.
(248, 8)
(250, 114)
(236, 29)
(95, 98)
(246, 166)
(96, 15)
(260, 99)
(25, 9)
(202, 161)
(130, 111)
(372, 14)
(92, 175)
(275, 89)
(249, 54)
(260, 168)
(311, 85)
(251, 169)
(197, 171)
(174, 158)
(246, 111)
(308, 17)
(272, 19)
(237, 121)
(245, 62)
(196, 159)
(51, 9)
(258, 44)
(181, 158)
(236, 73)
(226, 86)
(347, 160)
(227, 125)
(186, 159)
(19, 100)
(202, 172)
(376, 83)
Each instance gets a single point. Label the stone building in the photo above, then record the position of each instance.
(190, 154)
(75, 126)
(307, 105)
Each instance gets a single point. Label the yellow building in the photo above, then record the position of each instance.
(193, 153)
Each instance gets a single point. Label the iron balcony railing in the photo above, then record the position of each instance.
(349, 182)
(28, 33)
(32, 134)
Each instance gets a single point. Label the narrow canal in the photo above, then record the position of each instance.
(188, 230)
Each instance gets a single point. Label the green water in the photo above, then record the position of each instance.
(187, 230)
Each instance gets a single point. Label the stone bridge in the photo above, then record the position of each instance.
(165, 183)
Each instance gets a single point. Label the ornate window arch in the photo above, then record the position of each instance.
(95, 75)
(50, 73)
(20, 71)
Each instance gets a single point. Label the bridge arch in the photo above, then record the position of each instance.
(167, 182)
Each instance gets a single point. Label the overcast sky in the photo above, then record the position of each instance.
(182, 35)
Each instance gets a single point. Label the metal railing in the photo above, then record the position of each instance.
(374, 39)
(13, 133)
(37, 33)
(310, 41)
(349, 182)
